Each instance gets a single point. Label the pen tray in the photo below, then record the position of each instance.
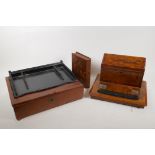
(39, 78)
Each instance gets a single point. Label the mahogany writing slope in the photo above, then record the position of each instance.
(36, 89)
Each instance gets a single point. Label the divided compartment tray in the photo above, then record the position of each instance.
(40, 78)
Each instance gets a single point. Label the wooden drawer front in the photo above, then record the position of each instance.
(122, 76)
(47, 102)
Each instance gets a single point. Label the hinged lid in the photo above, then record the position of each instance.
(81, 67)
(124, 61)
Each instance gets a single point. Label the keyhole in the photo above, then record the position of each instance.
(51, 100)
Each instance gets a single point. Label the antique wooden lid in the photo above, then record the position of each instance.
(81, 67)
(123, 61)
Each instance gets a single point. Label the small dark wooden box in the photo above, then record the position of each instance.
(122, 69)
(81, 67)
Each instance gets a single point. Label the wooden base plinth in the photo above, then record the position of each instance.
(139, 103)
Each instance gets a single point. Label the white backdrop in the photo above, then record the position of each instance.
(22, 47)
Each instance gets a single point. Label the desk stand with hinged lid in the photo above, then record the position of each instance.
(121, 81)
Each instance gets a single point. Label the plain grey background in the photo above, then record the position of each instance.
(22, 47)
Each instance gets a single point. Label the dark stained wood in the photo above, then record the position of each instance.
(37, 102)
(122, 69)
(81, 67)
(140, 103)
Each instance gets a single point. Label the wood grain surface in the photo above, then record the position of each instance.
(122, 69)
(81, 67)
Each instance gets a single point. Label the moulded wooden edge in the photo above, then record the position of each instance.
(82, 56)
(140, 103)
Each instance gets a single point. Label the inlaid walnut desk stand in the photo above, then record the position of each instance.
(121, 81)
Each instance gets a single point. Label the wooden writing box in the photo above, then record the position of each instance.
(40, 88)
